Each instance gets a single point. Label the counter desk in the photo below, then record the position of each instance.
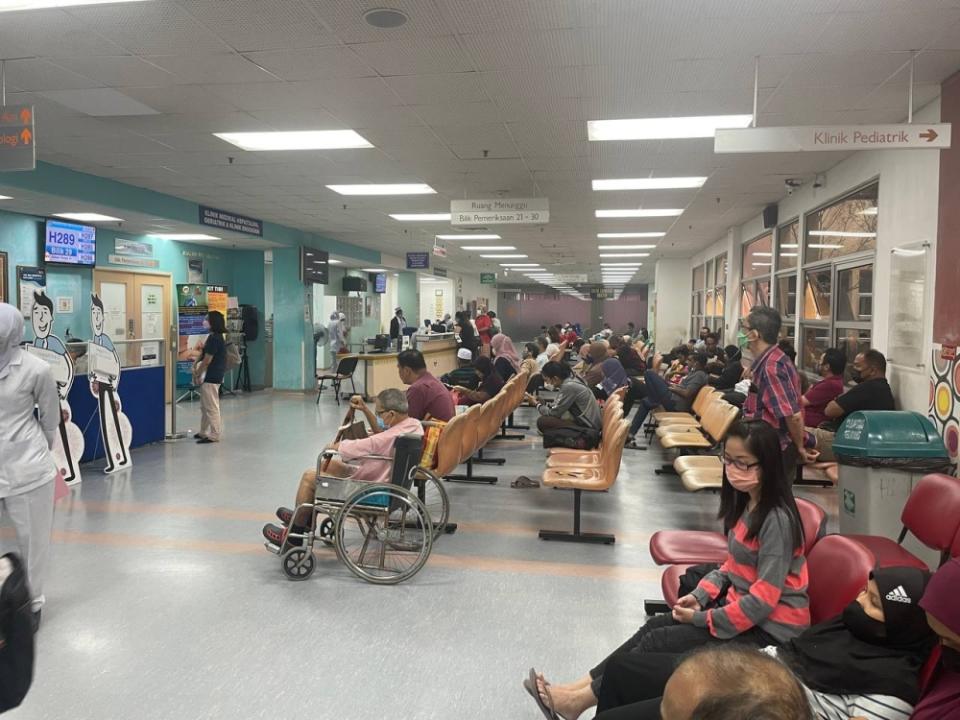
(380, 369)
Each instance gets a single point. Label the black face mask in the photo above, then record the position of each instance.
(856, 376)
(950, 659)
(862, 625)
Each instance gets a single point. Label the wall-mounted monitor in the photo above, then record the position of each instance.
(69, 244)
(380, 283)
(314, 266)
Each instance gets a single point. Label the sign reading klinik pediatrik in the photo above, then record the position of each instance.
(500, 211)
(833, 138)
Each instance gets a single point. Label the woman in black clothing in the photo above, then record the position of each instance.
(468, 336)
(490, 382)
(732, 370)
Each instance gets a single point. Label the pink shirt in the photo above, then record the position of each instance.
(376, 471)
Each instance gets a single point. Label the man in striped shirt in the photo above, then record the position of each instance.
(775, 388)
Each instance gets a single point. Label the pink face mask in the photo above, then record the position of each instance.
(743, 480)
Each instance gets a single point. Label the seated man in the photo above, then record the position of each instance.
(871, 392)
(731, 371)
(391, 412)
(464, 374)
(426, 396)
(674, 398)
(575, 406)
(832, 364)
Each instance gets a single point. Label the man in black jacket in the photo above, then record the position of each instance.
(16, 633)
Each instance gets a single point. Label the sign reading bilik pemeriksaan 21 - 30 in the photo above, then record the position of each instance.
(815, 138)
(500, 211)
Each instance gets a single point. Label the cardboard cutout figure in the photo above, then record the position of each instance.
(103, 366)
(69, 445)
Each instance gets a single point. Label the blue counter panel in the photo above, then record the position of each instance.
(141, 394)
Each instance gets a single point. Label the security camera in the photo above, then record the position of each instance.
(792, 184)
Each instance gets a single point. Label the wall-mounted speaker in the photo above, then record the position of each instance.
(770, 213)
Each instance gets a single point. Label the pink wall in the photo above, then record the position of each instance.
(629, 307)
(522, 313)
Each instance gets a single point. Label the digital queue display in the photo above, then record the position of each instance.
(70, 244)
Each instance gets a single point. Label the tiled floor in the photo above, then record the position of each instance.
(163, 603)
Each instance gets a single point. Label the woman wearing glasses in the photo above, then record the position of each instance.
(757, 596)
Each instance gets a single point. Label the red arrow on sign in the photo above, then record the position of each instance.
(929, 135)
(25, 115)
(26, 136)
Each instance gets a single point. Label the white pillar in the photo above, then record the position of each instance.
(672, 316)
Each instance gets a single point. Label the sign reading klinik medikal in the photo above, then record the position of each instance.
(500, 211)
(833, 138)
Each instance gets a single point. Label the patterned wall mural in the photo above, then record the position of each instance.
(945, 401)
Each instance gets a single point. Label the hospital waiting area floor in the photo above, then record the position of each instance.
(162, 602)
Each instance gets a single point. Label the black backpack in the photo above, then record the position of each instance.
(16, 637)
(574, 438)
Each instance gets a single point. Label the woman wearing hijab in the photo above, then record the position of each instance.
(27, 468)
(606, 374)
(864, 663)
(941, 696)
(507, 362)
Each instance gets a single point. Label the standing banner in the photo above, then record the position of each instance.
(69, 445)
(103, 372)
(194, 301)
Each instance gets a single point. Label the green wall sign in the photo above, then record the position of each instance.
(488, 278)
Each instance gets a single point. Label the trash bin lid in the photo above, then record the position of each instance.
(888, 434)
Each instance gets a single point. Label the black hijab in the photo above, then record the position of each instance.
(831, 658)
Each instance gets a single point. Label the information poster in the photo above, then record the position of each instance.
(29, 281)
(194, 301)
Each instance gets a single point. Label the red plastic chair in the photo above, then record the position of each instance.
(668, 547)
(839, 569)
(955, 550)
(931, 513)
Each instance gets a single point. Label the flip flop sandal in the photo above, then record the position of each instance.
(530, 685)
(523, 482)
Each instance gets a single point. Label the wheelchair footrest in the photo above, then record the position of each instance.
(275, 549)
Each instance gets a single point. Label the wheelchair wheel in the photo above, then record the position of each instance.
(383, 534)
(298, 563)
(325, 531)
(430, 491)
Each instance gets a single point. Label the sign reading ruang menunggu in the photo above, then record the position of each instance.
(225, 220)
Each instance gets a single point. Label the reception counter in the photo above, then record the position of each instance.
(380, 369)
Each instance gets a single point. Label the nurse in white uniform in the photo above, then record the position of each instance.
(27, 468)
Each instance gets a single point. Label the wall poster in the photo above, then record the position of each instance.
(194, 301)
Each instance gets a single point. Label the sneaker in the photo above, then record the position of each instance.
(274, 534)
(284, 514)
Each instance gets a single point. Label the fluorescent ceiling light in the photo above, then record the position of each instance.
(639, 212)
(622, 264)
(761, 264)
(789, 245)
(422, 217)
(14, 5)
(372, 270)
(789, 254)
(5, 197)
(627, 235)
(504, 257)
(520, 265)
(869, 211)
(842, 234)
(296, 140)
(466, 236)
(664, 128)
(88, 217)
(183, 236)
(904, 252)
(335, 262)
(624, 255)
(824, 246)
(487, 247)
(625, 247)
(763, 254)
(384, 189)
(665, 183)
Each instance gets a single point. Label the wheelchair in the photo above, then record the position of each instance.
(383, 533)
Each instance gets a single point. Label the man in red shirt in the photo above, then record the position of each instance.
(426, 396)
(832, 364)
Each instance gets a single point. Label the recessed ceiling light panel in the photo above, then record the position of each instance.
(87, 217)
(183, 236)
(383, 189)
(465, 236)
(674, 183)
(423, 217)
(664, 128)
(640, 212)
(296, 140)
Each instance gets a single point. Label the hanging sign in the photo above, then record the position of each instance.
(18, 140)
(571, 278)
(439, 247)
(832, 138)
(133, 261)
(226, 220)
(488, 278)
(418, 261)
(500, 211)
(440, 272)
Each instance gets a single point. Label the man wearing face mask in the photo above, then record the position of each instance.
(871, 392)
(359, 460)
(775, 389)
(575, 406)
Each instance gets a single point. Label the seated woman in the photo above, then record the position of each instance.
(732, 369)
(575, 406)
(632, 363)
(765, 572)
(353, 464)
(940, 698)
(489, 383)
(606, 374)
(506, 362)
(864, 663)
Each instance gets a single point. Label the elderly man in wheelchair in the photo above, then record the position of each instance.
(367, 460)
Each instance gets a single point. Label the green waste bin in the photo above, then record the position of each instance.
(882, 454)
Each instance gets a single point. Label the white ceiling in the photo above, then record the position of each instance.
(517, 79)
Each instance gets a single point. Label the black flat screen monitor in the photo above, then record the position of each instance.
(314, 266)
